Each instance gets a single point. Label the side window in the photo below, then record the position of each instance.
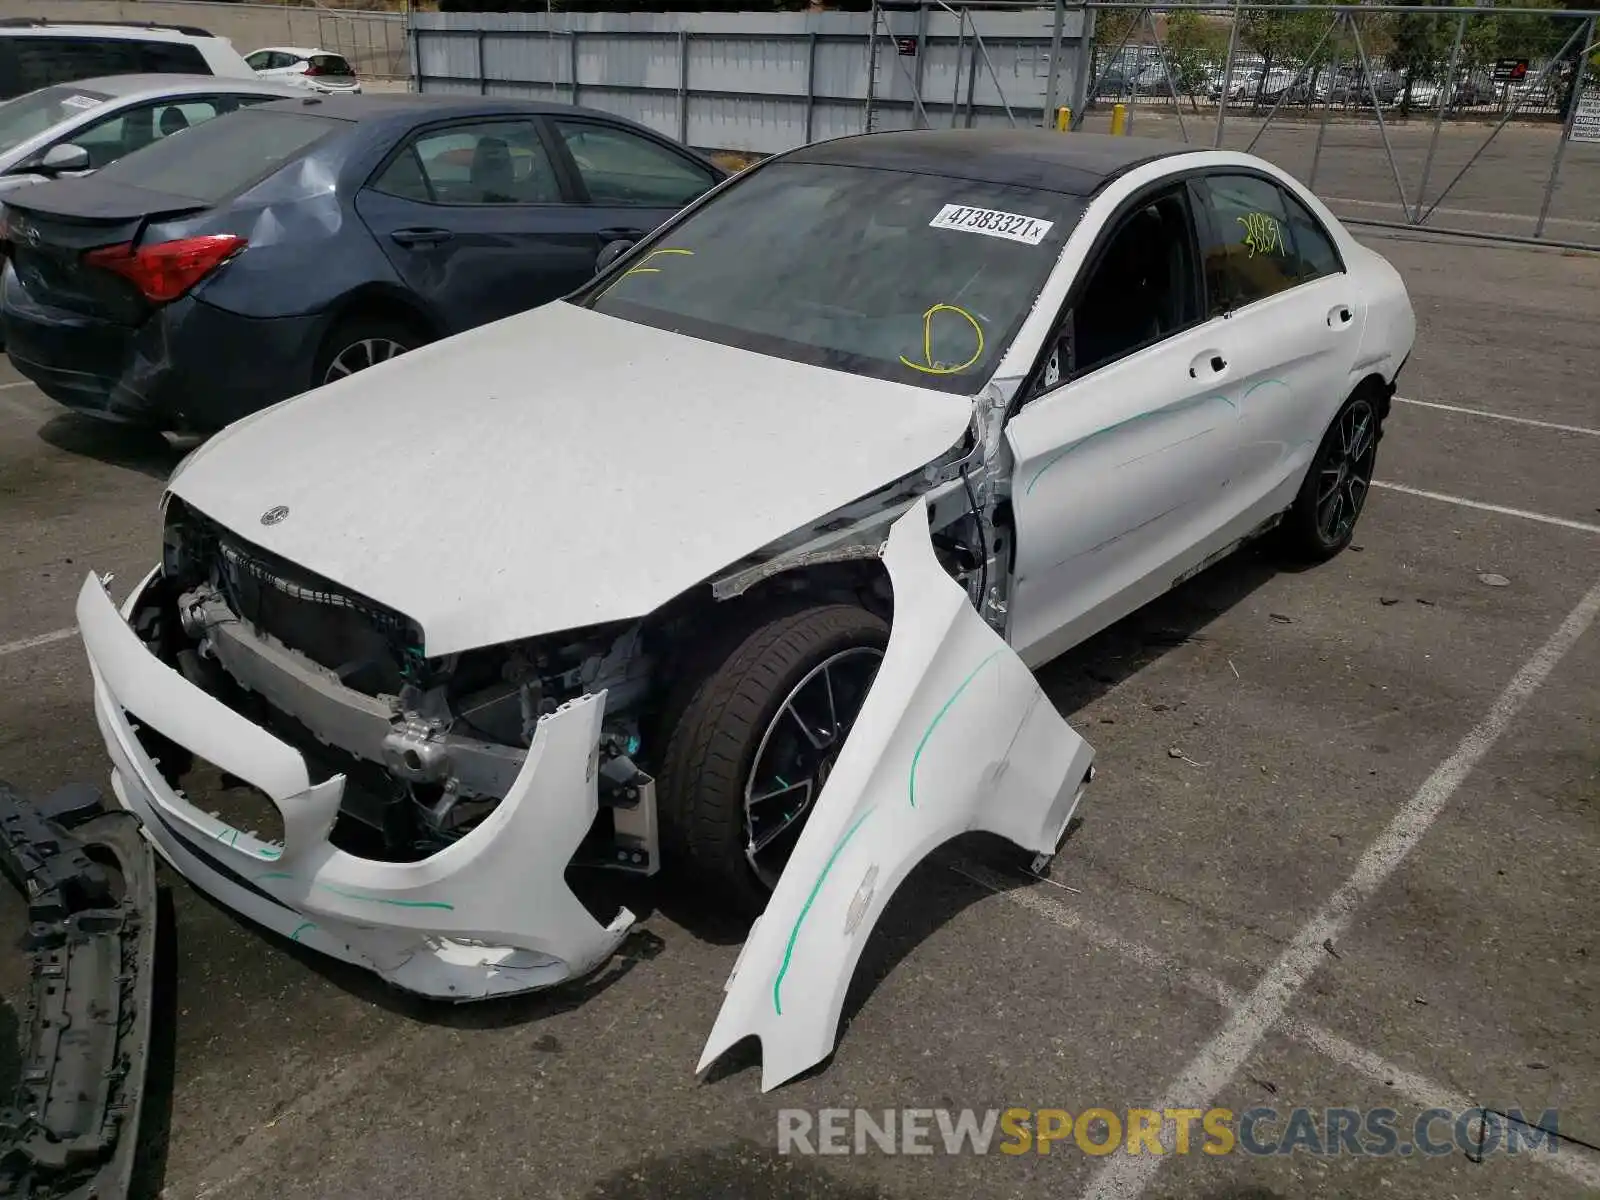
(1247, 252)
(41, 61)
(1313, 248)
(119, 135)
(1143, 287)
(168, 58)
(618, 167)
(175, 118)
(498, 162)
(259, 61)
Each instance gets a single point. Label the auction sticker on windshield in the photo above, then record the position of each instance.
(1013, 226)
(76, 101)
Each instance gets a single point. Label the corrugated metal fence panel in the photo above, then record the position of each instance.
(755, 81)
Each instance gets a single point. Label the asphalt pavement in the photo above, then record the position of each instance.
(1398, 748)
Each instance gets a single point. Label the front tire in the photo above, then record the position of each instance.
(755, 742)
(1322, 520)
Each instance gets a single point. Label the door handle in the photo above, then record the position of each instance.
(1209, 362)
(621, 235)
(1339, 315)
(421, 237)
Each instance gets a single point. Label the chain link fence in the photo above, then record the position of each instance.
(1471, 120)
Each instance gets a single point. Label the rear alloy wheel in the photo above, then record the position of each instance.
(1323, 518)
(361, 343)
(753, 746)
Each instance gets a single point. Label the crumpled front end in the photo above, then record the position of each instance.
(488, 913)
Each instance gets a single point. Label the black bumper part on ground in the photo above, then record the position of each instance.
(90, 881)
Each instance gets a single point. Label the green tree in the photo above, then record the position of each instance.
(1416, 42)
(1191, 43)
(1280, 37)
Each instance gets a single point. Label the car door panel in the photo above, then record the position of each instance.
(1117, 477)
(1293, 327)
(478, 261)
(955, 735)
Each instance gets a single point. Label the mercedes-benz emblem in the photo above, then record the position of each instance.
(275, 514)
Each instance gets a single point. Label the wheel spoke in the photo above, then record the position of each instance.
(796, 752)
(833, 707)
(817, 739)
(1361, 442)
(759, 841)
(1331, 488)
(1329, 524)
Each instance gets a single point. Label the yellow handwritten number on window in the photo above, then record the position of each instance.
(1262, 233)
(928, 366)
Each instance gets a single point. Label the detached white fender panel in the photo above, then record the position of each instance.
(955, 735)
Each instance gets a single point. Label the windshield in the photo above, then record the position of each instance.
(30, 115)
(915, 278)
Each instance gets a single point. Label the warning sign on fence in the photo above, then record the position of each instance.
(1509, 70)
(1586, 121)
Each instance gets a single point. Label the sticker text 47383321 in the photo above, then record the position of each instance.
(1015, 227)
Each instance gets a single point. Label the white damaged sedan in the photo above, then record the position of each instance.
(735, 563)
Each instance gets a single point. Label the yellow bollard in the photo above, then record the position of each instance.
(1119, 120)
(1063, 119)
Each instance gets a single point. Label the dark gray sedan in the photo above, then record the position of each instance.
(291, 243)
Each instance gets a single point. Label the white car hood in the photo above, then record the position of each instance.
(556, 469)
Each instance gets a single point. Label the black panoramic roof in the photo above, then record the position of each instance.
(1077, 164)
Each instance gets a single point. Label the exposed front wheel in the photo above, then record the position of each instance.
(756, 742)
(1323, 518)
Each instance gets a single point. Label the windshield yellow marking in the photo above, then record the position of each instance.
(928, 366)
(1262, 233)
(641, 269)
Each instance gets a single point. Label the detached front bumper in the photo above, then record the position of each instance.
(490, 914)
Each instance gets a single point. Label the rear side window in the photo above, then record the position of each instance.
(30, 62)
(1261, 242)
(222, 156)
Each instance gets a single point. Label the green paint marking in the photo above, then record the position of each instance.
(1083, 441)
(234, 840)
(1256, 387)
(269, 854)
(328, 887)
(304, 925)
(911, 782)
(794, 934)
(275, 875)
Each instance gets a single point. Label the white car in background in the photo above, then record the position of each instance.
(36, 52)
(75, 127)
(319, 70)
(735, 562)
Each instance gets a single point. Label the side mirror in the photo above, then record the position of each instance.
(610, 254)
(61, 158)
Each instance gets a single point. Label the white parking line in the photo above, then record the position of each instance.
(1494, 416)
(1200, 1082)
(1445, 498)
(1573, 1161)
(5, 387)
(33, 643)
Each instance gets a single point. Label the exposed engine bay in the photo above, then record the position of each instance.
(429, 746)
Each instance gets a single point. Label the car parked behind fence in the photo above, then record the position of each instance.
(296, 242)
